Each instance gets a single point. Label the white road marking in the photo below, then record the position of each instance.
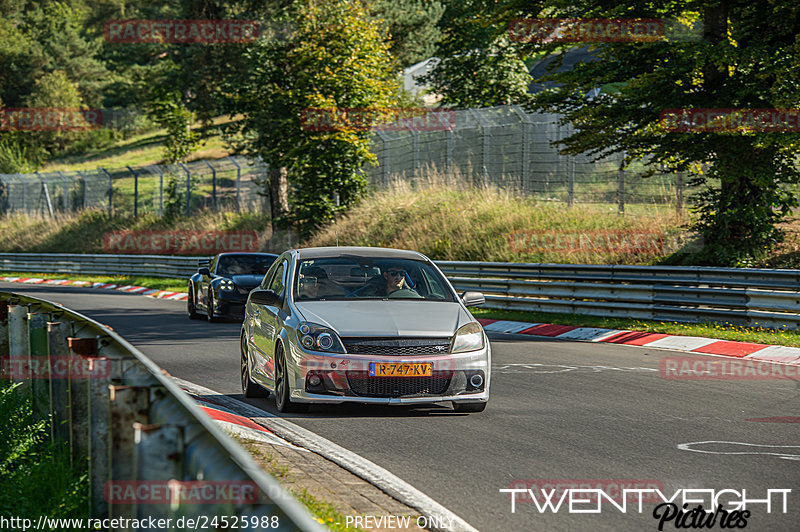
(750, 446)
(561, 368)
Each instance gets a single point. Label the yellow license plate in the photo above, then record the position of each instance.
(380, 369)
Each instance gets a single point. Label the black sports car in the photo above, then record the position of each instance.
(222, 283)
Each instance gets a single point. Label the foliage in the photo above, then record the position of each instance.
(35, 475)
(336, 57)
(412, 27)
(478, 65)
(746, 57)
(171, 113)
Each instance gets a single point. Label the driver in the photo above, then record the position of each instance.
(394, 277)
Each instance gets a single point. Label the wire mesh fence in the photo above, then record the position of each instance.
(231, 184)
(510, 147)
(504, 146)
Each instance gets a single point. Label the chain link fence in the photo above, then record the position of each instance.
(510, 147)
(230, 184)
(504, 146)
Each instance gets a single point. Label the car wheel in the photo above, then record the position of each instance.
(282, 386)
(249, 388)
(191, 309)
(469, 407)
(210, 309)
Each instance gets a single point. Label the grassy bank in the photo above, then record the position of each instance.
(157, 283)
(448, 221)
(36, 477)
(83, 233)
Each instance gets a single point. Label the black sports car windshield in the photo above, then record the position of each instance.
(354, 277)
(244, 264)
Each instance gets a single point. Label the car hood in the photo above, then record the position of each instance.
(248, 281)
(386, 317)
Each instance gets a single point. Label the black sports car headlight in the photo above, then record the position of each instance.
(226, 285)
(319, 338)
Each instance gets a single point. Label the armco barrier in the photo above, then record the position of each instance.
(133, 427)
(744, 296)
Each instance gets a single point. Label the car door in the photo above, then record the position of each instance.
(205, 283)
(267, 322)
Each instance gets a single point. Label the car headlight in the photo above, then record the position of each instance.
(226, 285)
(318, 338)
(468, 338)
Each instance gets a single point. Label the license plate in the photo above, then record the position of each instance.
(380, 369)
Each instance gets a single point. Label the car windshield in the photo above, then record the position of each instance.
(244, 264)
(354, 277)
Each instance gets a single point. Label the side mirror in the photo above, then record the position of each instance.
(203, 270)
(264, 297)
(472, 299)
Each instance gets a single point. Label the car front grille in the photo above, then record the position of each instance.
(397, 346)
(362, 384)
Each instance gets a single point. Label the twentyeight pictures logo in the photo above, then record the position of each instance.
(181, 31)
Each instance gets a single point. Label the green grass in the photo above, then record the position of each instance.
(84, 232)
(325, 513)
(139, 150)
(157, 283)
(36, 477)
(722, 331)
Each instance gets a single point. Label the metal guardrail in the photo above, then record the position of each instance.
(128, 422)
(753, 297)
(144, 265)
(742, 296)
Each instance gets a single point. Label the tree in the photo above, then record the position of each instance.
(747, 57)
(335, 58)
(478, 65)
(412, 27)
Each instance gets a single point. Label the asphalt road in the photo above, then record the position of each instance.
(559, 411)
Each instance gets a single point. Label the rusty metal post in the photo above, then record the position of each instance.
(18, 343)
(128, 405)
(39, 363)
(158, 459)
(79, 398)
(58, 361)
(99, 375)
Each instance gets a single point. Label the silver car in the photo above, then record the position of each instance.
(362, 325)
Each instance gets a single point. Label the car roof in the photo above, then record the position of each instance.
(339, 251)
(247, 253)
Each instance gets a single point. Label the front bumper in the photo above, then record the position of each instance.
(344, 378)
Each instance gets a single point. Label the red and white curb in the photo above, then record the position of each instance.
(691, 344)
(142, 290)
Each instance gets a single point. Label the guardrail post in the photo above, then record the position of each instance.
(100, 370)
(128, 405)
(159, 459)
(79, 397)
(39, 363)
(58, 356)
(18, 343)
